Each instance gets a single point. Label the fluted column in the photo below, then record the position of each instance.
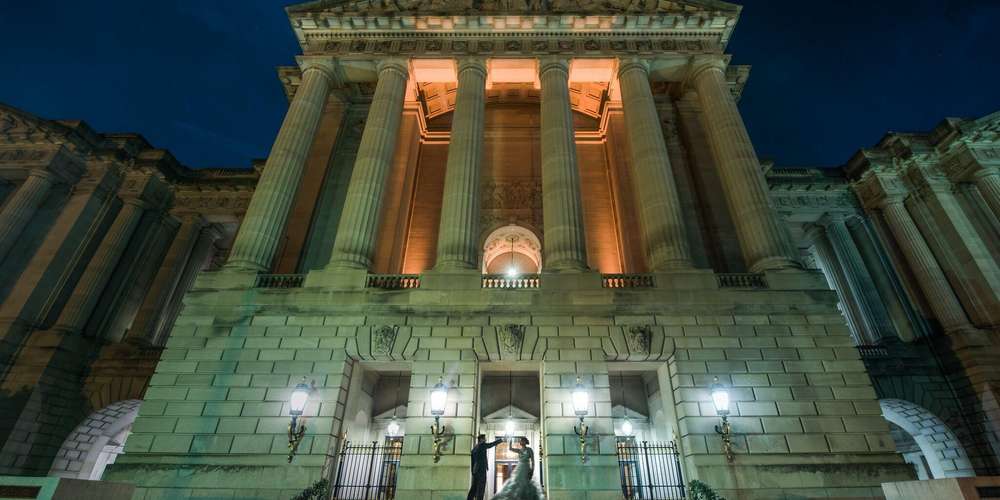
(933, 282)
(762, 237)
(265, 219)
(988, 182)
(458, 235)
(564, 247)
(23, 203)
(355, 242)
(660, 212)
(98, 272)
(858, 278)
(835, 274)
(201, 253)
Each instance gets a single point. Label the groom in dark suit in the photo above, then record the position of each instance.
(479, 463)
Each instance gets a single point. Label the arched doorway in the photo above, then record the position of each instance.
(512, 250)
(937, 452)
(96, 442)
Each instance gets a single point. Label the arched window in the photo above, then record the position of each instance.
(96, 442)
(512, 250)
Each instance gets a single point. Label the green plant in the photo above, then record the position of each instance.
(320, 490)
(701, 491)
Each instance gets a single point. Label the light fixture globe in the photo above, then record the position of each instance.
(627, 426)
(439, 398)
(300, 395)
(508, 428)
(720, 398)
(581, 399)
(392, 430)
(511, 272)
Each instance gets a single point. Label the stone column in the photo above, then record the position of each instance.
(167, 277)
(261, 229)
(988, 182)
(835, 275)
(858, 278)
(355, 242)
(933, 282)
(458, 236)
(762, 237)
(201, 253)
(23, 203)
(564, 247)
(95, 277)
(660, 212)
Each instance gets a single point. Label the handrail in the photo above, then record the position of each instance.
(393, 281)
(279, 280)
(627, 281)
(503, 282)
(741, 280)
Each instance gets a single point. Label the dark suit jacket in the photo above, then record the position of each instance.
(479, 461)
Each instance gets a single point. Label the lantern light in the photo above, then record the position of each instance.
(439, 398)
(720, 398)
(300, 395)
(627, 427)
(393, 429)
(581, 399)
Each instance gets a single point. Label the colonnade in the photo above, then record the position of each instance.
(764, 241)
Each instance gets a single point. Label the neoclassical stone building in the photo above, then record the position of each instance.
(512, 203)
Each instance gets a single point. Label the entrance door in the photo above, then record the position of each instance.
(505, 463)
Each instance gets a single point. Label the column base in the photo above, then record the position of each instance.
(582, 280)
(451, 280)
(341, 279)
(686, 279)
(774, 264)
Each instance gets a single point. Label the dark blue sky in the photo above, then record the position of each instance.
(197, 76)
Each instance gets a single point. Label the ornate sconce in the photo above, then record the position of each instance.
(439, 399)
(581, 406)
(297, 405)
(720, 398)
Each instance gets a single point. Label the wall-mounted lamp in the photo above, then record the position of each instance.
(297, 405)
(439, 399)
(720, 398)
(581, 406)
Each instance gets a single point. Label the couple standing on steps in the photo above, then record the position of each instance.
(519, 488)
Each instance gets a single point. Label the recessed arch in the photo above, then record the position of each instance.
(96, 442)
(944, 454)
(514, 242)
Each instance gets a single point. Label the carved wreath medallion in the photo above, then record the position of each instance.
(639, 338)
(383, 338)
(511, 337)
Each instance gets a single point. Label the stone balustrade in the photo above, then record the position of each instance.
(627, 281)
(504, 282)
(741, 280)
(279, 280)
(393, 281)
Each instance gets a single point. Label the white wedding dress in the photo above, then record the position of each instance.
(522, 487)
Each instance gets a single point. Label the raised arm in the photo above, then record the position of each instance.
(494, 443)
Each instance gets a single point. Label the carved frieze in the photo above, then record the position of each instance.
(511, 337)
(639, 338)
(383, 339)
(509, 7)
(520, 193)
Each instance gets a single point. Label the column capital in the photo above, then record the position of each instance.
(42, 174)
(398, 65)
(925, 181)
(626, 64)
(553, 63)
(878, 190)
(700, 65)
(472, 63)
(814, 232)
(324, 64)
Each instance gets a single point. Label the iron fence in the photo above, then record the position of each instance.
(367, 471)
(650, 471)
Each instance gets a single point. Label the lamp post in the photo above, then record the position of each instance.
(720, 398)
(297, 406)
(581, 406)
(439, 399)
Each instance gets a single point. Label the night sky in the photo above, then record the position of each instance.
(197, 76)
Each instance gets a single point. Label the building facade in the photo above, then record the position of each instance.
(512, 202)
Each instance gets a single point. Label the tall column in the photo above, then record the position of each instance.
(95, 277)
(458, 236)
(933, 282)
(200, 255)
(355, 242)
(660, 212)
(22, 206)
(858, 278)
(835, 275)
(564, 248)
(267, 214)
(988, 182)
(762, 237)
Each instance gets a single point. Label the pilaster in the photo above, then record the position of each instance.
(23, 203)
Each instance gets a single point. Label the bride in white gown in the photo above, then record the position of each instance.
(522, 487)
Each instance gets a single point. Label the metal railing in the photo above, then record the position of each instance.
(393, 281)
(367, 471)
(280, 280)
(741, 280)
(503, 282)
(627, 281)
(650, 471)
(873, 351)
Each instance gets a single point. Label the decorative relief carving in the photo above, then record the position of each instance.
(511, 337)
(521, 194)
(538, 47)
(383, 338)
(476, 7)
(639, 338)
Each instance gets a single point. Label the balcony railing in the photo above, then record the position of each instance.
(393, 281)
(280, 280)
(627, 281)
(873, 351)
(741, 280)
(504, 282)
